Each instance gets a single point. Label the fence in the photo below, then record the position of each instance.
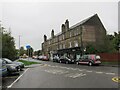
(110, 57)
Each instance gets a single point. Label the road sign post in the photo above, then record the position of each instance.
(28, 47)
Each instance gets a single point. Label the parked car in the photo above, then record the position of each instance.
(66, 60)
(40, 57)
(12, 68)
(44, 58)
(20, 64)
(56, 59)
(34, 57)
(3, 68)
(89, 60)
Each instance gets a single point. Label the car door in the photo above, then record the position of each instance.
(85, 59)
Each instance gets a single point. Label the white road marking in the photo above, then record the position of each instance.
(75, 75)
(17, 78)
(80, 70)
(55, 71)
(89, 71)
(110, 73)
(49, 65)
(99, 72)
(69, 68)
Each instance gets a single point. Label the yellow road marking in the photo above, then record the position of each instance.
(116, 79)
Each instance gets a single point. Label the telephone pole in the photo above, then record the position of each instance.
(19, 46)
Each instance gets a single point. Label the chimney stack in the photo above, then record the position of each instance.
(67, 25)
(63, 28)
(45, 38)
(52, 33)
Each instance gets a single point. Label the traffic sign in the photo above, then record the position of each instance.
(28, 46)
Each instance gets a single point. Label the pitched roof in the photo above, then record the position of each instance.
(82, 22)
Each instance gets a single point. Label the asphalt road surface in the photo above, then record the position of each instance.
(56, 75)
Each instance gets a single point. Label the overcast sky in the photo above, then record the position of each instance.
(31, 20)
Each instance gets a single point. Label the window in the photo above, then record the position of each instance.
(70, 34)
(63, 37)
(75, 43)
(60, 46)
(63, 46)
(49, 41)
(70, 44)
(75, 32)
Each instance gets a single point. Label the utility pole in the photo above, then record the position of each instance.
(81, 40)
(19, 46)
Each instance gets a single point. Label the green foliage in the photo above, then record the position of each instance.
(90, 49)
(29, 52)
(28, 62)
(39, 52)
(111, 43)
(22, 51)
(8, 46)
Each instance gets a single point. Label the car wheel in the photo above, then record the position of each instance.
(66, 62)
(60, 62)
(90, 64)
(8, 72)
(77, 63)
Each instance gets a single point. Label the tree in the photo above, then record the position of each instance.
(22, 51)
(29, 52)
(116, 40)
(8, 46)
(38, 53)
(90, 49)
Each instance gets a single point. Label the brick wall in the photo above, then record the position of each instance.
(110, 57)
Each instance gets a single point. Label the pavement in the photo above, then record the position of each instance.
(56, 75)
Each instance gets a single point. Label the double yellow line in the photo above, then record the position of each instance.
(116, 79)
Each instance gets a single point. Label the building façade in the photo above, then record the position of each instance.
(73, 40)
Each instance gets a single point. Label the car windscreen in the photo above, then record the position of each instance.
(7, 60)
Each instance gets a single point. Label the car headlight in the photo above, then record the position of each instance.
(13, 67)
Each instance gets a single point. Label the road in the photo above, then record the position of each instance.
(56, 75)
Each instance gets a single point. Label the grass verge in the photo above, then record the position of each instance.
(110, 63)
(28, 62)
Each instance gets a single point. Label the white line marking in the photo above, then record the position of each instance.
(89, 71)
(99, 72)
(110, 73)
(17, 79)
(80, 70)
(49, 65)
(75, 75)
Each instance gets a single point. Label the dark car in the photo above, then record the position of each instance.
(56, 59)
(89, 60)
(20, 64)
(3, 68)
(66, 60)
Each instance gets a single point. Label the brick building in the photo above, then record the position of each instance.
(73, 40)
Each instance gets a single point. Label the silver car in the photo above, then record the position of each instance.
(20, 64)
(3, 68)
(12, 68)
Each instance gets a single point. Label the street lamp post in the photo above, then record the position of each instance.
(81, 41)
(19, 46)
(28, 48)
(119, 48)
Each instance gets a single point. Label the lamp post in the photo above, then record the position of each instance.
(119, 48)
(81, 42)
(28, 47)
(19, 46)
